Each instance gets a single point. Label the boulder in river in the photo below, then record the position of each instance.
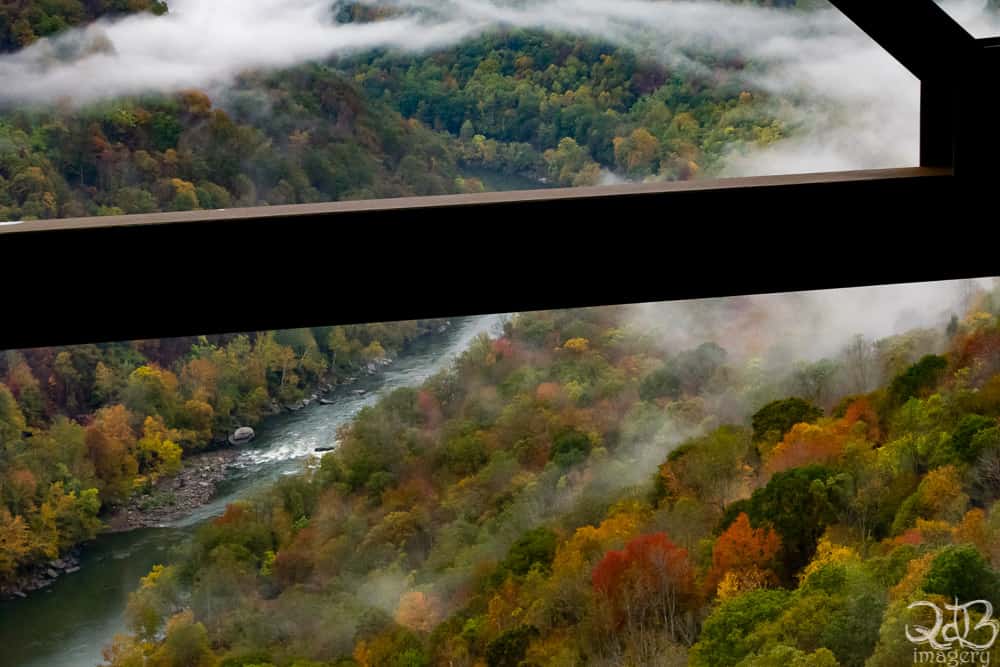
(242, 435)
(323, 449)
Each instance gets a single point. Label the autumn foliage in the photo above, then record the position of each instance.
(534, 505)
(824, 441)
(418, 611)
(650, 578)
(746, 555)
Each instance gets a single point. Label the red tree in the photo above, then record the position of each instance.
(862, 410)
(430, 409)
(649, 582)
(979, 350)
(503, 348)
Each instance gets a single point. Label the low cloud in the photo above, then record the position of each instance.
(847, 103)
(976, 16)
(807, 325)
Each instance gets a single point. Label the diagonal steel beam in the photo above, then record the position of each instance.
(935, 49)
(918, 33)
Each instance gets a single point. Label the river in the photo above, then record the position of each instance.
(68, 623)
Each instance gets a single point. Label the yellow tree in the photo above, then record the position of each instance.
(126, 651)
(159, 454)
(185, 195)
(150, 605)
(200, 377)
(15, 543)
(185, 645)
(197, 418)
(111, 445)
(637, 151)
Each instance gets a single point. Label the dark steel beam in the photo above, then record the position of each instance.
(484, 201)
(480, 254)
(977, 146)
(938, 120)
(935, 49)
(213, 272)
(917, 33)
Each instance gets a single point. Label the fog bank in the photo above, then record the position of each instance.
(806, 325)
(849, 104)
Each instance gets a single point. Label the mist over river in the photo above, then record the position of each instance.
(68, 623)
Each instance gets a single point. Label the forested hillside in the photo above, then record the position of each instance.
(85, 428)
(571, 493)
(24, 23)
(564, 109)
(553, 108)
(321, 140)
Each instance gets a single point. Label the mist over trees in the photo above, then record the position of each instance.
(374, 101)
(519, 104)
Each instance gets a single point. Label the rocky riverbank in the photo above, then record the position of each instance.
(174, 498)
(171, 499)
(41, 576)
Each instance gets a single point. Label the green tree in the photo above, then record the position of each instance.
(570, 448)
(134, 199)
(727, 636)
(537, 547)
(918, 379)
(509, 648)
(152, 390)
(788, 656)
(799, 503)
(569, 164)
(185, 645)
(663, 382)
(961, 571)
(965, 440)
(11, 419)
(773, 420)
